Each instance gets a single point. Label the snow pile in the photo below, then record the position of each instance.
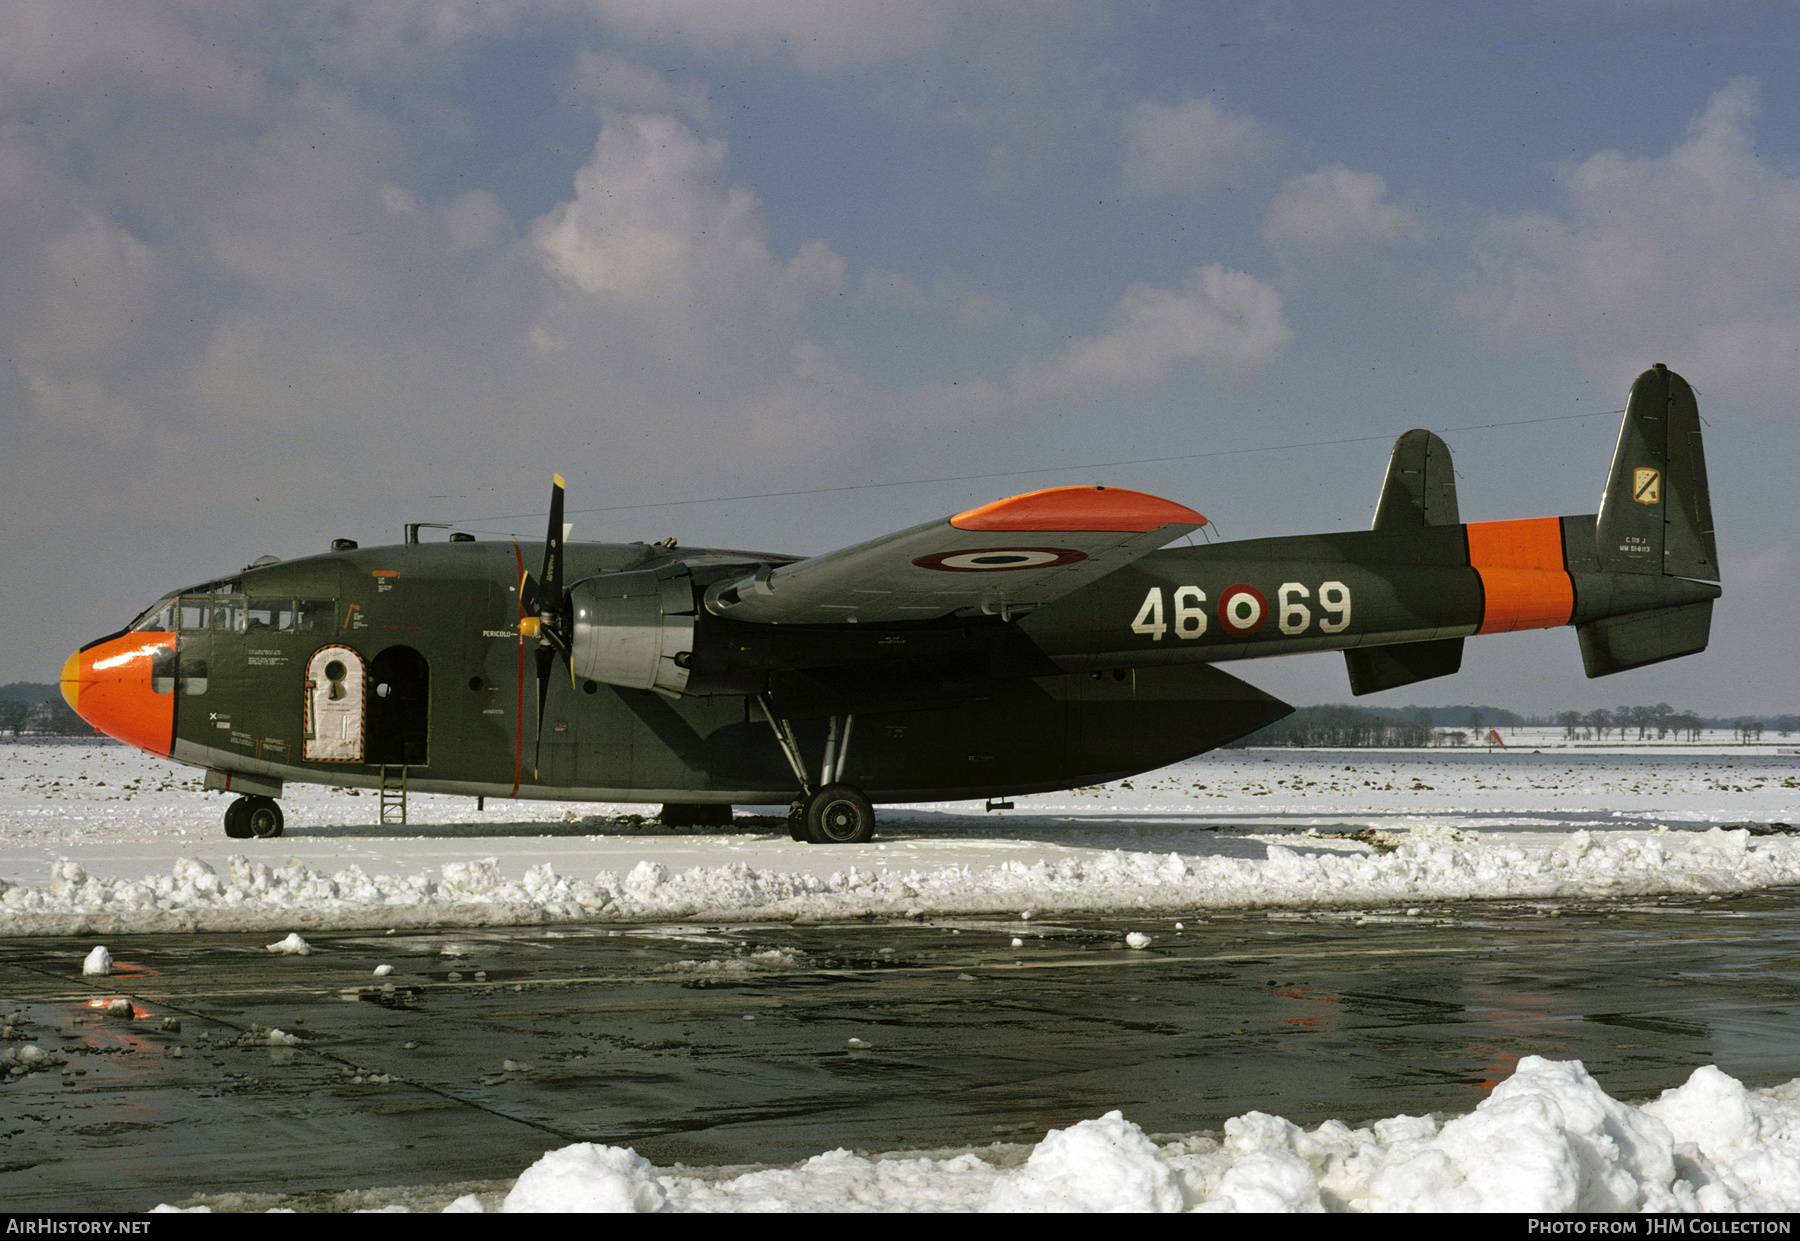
(1428, 865)
(99, 962)
(292, 946)
(1098, 1165)
(1546, 1139)
(80, 828)
(586, 1177)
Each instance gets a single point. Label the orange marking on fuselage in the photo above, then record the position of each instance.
(1079, 508)
(1522, 574)
(109, 686)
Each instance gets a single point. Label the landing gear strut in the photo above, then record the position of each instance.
(837, 813)
(253, 816)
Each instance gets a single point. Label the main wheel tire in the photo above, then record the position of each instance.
(840, 815)
(797, 821)
(237, 825)
(263, 817)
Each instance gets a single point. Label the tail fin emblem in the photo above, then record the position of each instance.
(1646, 486)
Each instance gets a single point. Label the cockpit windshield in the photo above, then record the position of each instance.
(159, 617)
(164, 615)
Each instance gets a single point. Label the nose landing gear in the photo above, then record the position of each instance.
(258, 817)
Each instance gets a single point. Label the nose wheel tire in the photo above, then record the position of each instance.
(839, 815)
(258, 817)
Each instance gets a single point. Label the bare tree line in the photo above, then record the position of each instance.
(1663, 721)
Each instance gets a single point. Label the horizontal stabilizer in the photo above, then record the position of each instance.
(1619, 643)
(1375, 668)
(1420, 488)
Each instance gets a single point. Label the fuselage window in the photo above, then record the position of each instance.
(228, 614)
(272, 614)
(196, 613)
(192, 676)
(162, 670)
(315, 615)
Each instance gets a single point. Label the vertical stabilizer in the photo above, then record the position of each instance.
(1419, 491)
(1656, 514)
(1420, 488)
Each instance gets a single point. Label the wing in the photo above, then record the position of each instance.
(1009, 556)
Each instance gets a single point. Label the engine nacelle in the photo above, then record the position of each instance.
(635, 629)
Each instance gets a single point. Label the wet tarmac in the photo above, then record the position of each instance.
(729, 1044)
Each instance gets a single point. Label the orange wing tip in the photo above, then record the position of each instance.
(1079, 508)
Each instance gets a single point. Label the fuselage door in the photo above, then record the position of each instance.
(335, 683)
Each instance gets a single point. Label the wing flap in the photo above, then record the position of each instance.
(1010, 556)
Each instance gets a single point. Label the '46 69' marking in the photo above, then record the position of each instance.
(1243, 610)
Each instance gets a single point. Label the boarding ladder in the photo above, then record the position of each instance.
(393, 794)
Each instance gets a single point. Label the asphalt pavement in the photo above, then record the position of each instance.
(727, 1045)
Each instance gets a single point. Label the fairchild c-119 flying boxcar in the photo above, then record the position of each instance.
(1045, 641)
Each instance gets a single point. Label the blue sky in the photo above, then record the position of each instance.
(276, 273)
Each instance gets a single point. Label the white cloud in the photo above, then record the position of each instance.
(653, 221)
(617, 84)
(1227, 319)
(1019, 76)
(816, 34)
(1691, 258)
(76, 47)
(1335, 217)
(670, 294)
(1189, 149)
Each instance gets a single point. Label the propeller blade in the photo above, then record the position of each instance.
(548, 598)
(546, 659)
(550, 595)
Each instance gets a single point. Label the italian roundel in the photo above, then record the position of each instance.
(1242, 610)
(999, 559)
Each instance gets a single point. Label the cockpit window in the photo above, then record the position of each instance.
(228, 613)
(315, 615)
(195, 613)
(271, 614)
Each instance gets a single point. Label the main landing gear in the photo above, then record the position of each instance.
(253, 816)
(835, 815)
(829, 812)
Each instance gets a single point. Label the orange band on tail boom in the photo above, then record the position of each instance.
(1522, 575)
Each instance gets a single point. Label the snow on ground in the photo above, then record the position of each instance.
(1546, 1139)
(100, 838)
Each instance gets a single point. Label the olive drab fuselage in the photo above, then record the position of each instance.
(677, 675)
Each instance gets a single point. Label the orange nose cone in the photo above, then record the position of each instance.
(71, 682)
(114, 686)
